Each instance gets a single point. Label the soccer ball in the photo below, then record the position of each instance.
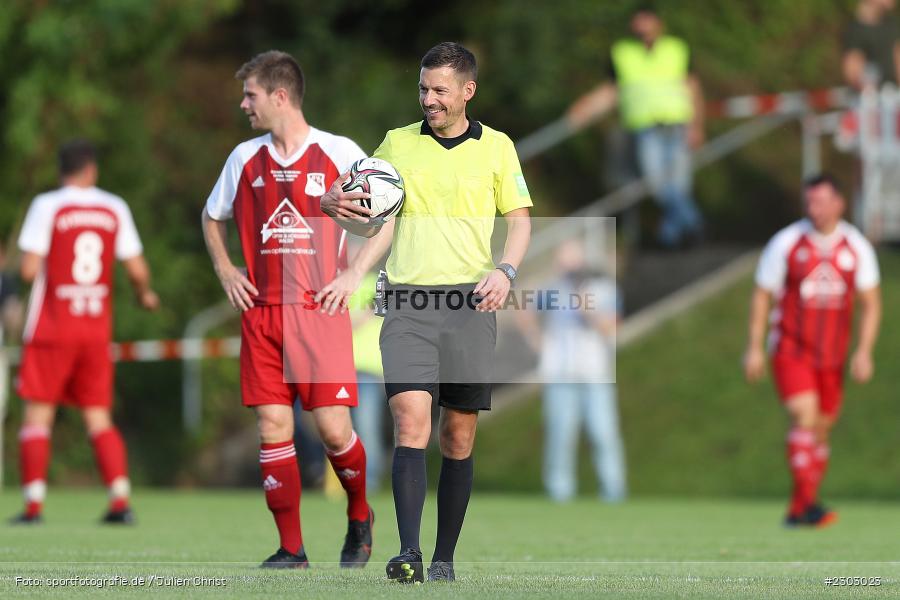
(381, 180)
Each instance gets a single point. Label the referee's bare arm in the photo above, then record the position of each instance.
(341, 206)
(494, 287)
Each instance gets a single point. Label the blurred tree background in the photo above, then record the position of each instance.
(152, 83)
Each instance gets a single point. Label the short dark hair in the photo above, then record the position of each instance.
(453, 55)
(275, 69)
(822, 179)
(75, 155)
(645, 7)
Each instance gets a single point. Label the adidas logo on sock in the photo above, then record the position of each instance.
(342, 394)
(347, 473)
(270, 483)
(258, 182)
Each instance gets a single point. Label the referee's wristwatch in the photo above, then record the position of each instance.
(508, 270)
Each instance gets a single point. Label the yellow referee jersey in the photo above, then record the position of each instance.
(454, 189)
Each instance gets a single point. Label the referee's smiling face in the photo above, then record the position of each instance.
(443, 94)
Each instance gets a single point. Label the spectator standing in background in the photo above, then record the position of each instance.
(576, 345)
(659, 97)
(872, 45)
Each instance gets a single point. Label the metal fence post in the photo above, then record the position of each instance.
(191, 365)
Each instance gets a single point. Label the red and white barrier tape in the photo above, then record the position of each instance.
(155, 350)
(740, 107)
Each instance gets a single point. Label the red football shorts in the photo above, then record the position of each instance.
(796, 375)
(289, 351)
(80, 375)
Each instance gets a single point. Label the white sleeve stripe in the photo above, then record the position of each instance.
(35, 305)
(772, 268)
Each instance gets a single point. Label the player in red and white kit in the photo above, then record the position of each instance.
(70, 240)
(293, 341)
(814, 269)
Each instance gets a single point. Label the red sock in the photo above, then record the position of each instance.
(34, 456)
(112, 460)
(820, 457)
(801, 446)
(281, 480)
(350, 466)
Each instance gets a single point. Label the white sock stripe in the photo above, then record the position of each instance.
(347, 448)
(33, 432)
(120, 488)
(97, 434)
(268, 460)
(35, 491)
(278, 451)
(277, 456)
(270, 457)
(801, 436)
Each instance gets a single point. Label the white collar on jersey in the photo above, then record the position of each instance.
(311, 138)
(822, 240)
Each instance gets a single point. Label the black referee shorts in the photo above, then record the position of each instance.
(434, 340)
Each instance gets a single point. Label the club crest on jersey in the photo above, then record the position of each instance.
(286, 224)
(845, 260)
(315, 184)
(824, 287)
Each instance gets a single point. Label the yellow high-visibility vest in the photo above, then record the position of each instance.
(652, 82)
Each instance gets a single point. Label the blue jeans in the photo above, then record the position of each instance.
(566, 406)
(367, 421)
(665, 161)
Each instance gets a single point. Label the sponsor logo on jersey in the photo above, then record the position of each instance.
(258, 182)
(342, 394)
(824, 287)
(270, 483)
(286, 224)
(285, 175)
(347, 473)
(315, 184)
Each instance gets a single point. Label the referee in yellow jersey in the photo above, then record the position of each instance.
(439, 333)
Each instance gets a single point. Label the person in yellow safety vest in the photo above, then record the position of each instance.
(661, 105)
(368, 416)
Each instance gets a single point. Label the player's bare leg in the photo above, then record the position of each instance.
(281, 482)
(803, 409)
(457, 437)
(412, 428)
(112, 461)
(347, 455)
(34, 458)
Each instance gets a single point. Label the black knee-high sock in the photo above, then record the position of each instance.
(408, 479)
(454, 490)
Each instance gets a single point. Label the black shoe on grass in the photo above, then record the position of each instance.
(819, 516)
(441, 571)
(118, 517)
(406, 567)
(26, 519)
(282, 559)
(815, 516)
(358, 543)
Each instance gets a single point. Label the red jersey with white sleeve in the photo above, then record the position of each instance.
(289, 245)
(815, 278)
(80, 232)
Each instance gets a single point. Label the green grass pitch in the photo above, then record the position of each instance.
(512, 546)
